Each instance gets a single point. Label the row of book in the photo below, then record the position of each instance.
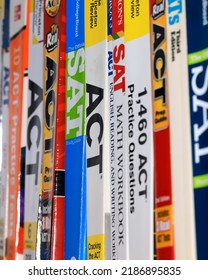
(103, 126)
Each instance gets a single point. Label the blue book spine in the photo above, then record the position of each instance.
(197, 37)
(75, 180)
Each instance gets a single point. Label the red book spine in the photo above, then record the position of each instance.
(164, 227)
(57, 249)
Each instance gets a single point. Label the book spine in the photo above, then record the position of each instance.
(181, 158)
(18, 64)
(119, 233)
(51, 60)
(57, 243)
(163, 185)
(111, 132)
(106, 139)
(75, 176)
(34, 130)
(96, 85)
(197, 30)
(139, 129)
(5, 131)
(20, 246)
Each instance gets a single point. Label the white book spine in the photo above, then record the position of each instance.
(34, 130)
(96, 90)
(139, 131)
(120, 99)
(181, 159)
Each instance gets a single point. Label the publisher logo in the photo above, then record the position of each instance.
(52, 38)
(52, 7)
(158, 9)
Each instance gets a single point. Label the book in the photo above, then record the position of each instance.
(96, 87)
(57, 238)
(51, 64)
(106, 139)
(110, 100)
(118, 99)
(19, 12)
(163, 200)
(180, 134)
(4, 149)
(117, 84)
(197, 40)
(75, 159)
(138, 127)
(34, 129)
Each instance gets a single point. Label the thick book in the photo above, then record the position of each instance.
(197, 30)
(96, 90)
(19, 11)
(34, 130)
(5, 130)
(163, 200)
(57, 242)
(138, 129)
(180, 132)
(51, 62)
(75, 160)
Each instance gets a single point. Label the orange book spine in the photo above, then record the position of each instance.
(19, 15)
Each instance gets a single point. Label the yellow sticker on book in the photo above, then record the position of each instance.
(95, 22)
(30, 232)
(96, 247)
(160, 114)
(137, 19)
(164, 226)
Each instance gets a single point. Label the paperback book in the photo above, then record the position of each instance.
(57, 242)
(51, 64)
(118, 99)
(138, 126)
(5, 9)
(96, 90)
(34, 130)
(197, 57)
(75, 174)
(163, 200)
(180, 132)
(19, 12)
